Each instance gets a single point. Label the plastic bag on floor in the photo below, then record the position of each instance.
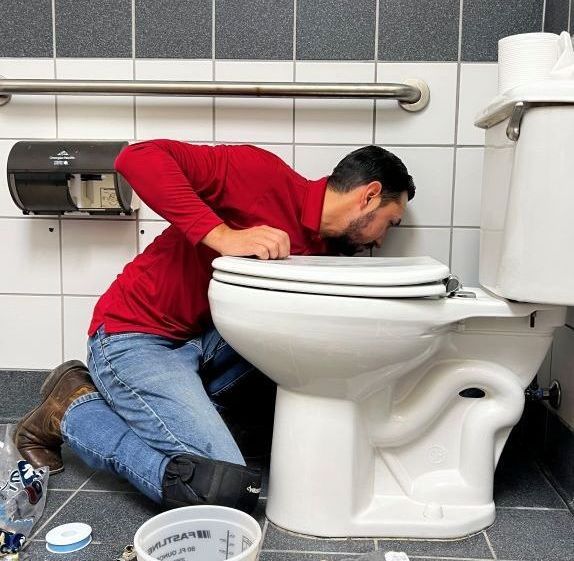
(22, 495)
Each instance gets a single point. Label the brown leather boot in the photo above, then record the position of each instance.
(38, 436)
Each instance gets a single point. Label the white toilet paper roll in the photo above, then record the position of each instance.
(526, 57)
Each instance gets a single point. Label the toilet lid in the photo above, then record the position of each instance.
(390, 277)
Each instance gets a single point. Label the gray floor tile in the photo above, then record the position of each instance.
(278, 539)
(114, 518)
(521, 483)
(54, 501)
(473, 546)
(94, 552)
(20, 393)
(533, 535)
(104, 481)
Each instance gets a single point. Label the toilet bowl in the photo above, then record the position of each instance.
(373, 435)
(396, 391)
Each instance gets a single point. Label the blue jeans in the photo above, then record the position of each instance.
(158, 398)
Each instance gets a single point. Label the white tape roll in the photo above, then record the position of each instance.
(68, 538)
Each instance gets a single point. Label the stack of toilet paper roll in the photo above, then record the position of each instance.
(529, 57)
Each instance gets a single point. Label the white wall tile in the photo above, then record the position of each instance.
(94, 252)
(148, 231)
(334, 120)
(431, 169)
(184, 118)
(478, 85)
(78, 312)
(432, 125)
(30, 331)
(284, 151)
(101, 117)
(562, 370)
(465, 254)
(409, 242)
(318, 161)
(30, 261)
(253, 120)
(468, 186)
(7, 206)
(146, 213)
(28, 116)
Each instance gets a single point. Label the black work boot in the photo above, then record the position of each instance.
(193, 480)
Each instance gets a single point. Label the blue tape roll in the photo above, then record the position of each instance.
(69, 548)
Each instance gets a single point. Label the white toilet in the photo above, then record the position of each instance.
(396, 396)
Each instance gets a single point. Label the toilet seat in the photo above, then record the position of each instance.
(376, 277)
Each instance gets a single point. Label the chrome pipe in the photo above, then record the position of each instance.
(408, 94)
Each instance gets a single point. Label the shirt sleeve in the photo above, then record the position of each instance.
(178, 181)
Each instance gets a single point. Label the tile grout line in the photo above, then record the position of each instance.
(60, 222)
(376, 60)
(569, 16)
(357, 554)
(59, 509)
(456, 118)
(294, 105)
(264, 533)
(135, 111)
(213, 108)
(543, 14)
(493, 553)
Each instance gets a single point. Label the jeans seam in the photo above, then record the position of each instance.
(106, 393)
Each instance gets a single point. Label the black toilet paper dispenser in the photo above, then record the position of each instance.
(60, 177)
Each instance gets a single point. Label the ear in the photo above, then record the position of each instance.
(371, 192)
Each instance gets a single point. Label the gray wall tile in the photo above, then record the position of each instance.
(254, 29)
(484, 22)
(336, 29)
(414, 30)
(173, 28)
(26, 28)
(94, 28)
(556, 16)
(571, 28)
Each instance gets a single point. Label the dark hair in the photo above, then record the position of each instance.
(373, 163)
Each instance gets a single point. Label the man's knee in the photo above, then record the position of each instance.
(193, 480)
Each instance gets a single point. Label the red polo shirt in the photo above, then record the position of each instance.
(195, 188)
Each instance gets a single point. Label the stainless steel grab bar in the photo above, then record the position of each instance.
(412, 95)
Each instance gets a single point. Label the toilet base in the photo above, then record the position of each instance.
(395, 518)
(333, 474)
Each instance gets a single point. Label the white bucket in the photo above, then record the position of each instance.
(198, 533)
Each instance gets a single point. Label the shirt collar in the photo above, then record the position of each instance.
(313, 203)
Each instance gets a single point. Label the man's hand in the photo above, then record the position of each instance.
(262, 241)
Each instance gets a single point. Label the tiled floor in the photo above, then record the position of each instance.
(532, 524)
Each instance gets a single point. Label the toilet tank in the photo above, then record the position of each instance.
(527, 215)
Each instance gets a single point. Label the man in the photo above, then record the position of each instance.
(160, 377)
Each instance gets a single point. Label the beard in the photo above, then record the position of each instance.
(348, 242)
